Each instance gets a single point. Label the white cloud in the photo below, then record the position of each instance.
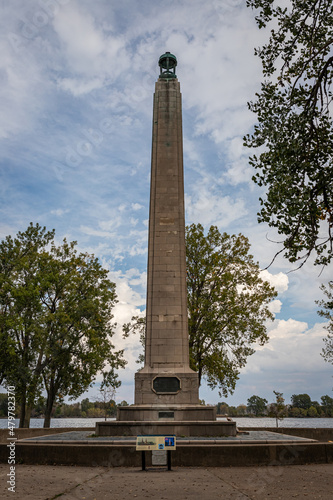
(279, 281)
(22, 91)
(96, 232)
(59, 212)
(136, 206)
(238, 169)
(275, 306)
(292, 347)
(207, 208)
(78, 87)
(88, 49)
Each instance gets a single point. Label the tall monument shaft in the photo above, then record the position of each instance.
(167, 331)
(166, 377)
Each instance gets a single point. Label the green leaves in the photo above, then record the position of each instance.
(295, 127)
(327, 312)
(278, 410)
(56, 317)
(257, 405)
(227, 305)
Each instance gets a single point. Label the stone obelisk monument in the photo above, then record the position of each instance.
(166, 387)
(166, 378)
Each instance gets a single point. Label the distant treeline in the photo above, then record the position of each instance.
(84, 409)
(301, 406)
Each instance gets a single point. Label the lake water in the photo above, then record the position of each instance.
(241, 422)
(286, 422)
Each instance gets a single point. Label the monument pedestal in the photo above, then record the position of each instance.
(166, 394)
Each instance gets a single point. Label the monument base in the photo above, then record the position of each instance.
(179, 428)
(147, 413)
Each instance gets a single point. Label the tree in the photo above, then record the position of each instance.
(294, 130)
(301, 401)
(241, 410)
(232, 411)
(303, 413)
(78, 313)
(277, 410)
(22, 336)
(107, 392)
(312, 411)
(327, 405)
(227, 305)
(222, 408)
(327, 312)
(56, 318)
(294, 412)
(257, 405)
(85, 405)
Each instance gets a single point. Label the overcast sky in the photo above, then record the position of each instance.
(77, 82)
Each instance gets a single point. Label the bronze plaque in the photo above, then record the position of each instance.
(166, 414)
(166, 385)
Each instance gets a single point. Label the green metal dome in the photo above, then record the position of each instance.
(167, 63)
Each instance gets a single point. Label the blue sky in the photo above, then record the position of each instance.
(77, 80)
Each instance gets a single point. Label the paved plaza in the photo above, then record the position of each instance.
(35, 482)
(87, 437)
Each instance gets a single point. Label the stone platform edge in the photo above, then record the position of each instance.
(322, 434)
(226, 455)
(174, 427)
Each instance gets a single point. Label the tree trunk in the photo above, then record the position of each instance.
(199, 374)
(51, 395)
(26, 423)
(48, 410)
(22, 411)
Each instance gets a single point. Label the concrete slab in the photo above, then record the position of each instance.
(188, 483)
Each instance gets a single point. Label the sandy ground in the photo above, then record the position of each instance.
(45, 482)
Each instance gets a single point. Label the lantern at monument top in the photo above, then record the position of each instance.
(167, 63)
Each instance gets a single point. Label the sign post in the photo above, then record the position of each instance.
(152, 443)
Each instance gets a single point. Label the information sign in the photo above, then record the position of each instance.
(145, 443)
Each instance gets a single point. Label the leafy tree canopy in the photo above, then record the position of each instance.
(56, 319)
(327, 405)
(294, 130)
(301, 401)
(227, 305)
(257, 405)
